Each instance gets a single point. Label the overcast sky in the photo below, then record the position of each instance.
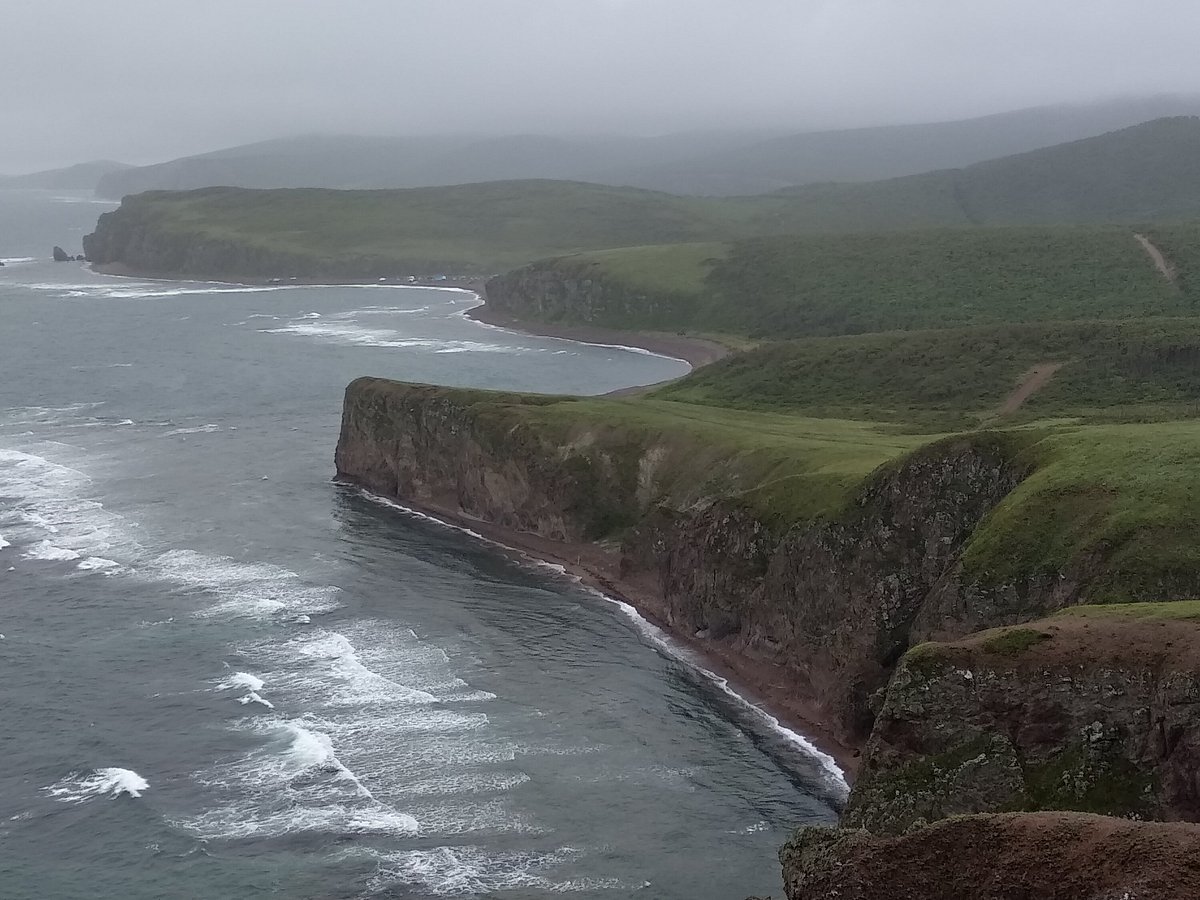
(147, 80)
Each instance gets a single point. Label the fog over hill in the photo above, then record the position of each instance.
(149, 81)
(706, 163)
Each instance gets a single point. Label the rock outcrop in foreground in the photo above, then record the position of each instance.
(1086, 711)
(1026, 856)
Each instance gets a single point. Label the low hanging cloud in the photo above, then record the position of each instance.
(144, 80)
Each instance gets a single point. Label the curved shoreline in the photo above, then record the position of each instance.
(696, 352)
(761, 684)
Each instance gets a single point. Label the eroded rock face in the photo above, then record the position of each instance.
(836, 598)
(1087, 713)
(833, 600)
(545, 292)
(133, 237)
(432, 446)
(1035, 856)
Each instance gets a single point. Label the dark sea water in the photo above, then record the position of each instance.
(223, 676)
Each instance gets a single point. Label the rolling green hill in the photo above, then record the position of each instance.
(727, 163)
(789, 287)
(958, 378)
(1149, 171)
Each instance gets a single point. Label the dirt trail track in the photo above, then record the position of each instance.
(1160, 261)
(1035, 379)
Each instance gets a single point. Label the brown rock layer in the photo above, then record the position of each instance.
(1029, 856)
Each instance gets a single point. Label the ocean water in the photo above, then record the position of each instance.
(224, 676)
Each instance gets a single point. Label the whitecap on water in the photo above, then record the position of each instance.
(343, 328)
(295, 782)
(98, 564)
(251, 684)
(244, 589)
(107, 782)
(475, 871)
(196, 429)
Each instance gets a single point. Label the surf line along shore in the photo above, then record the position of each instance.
(695, 351)
(759, 685)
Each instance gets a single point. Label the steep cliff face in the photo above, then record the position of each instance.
(1087, 711)
(554, 292)
(138, 237)
(836, 598)
(832, 597)
(133, 236)
(1049, 856)
(439, 447)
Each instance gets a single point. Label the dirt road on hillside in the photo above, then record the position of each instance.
(1160, 261)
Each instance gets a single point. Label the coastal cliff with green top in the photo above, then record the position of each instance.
(947, 492)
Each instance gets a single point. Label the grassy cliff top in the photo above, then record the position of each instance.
(785, 468)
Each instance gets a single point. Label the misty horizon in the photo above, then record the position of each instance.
(142, 85)
(750, 131)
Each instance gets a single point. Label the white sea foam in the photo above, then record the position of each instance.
(151, 290)
(296, 782)
(252, 684)
(238, 822)
(45, 550)
(99, 201)
(17, 260)
(642, 351)
(834, 776)
(3, 542)
(377, 749)
(97, 563)
(197, 429)
(108, 782)
(244, 589)
(343, 329)
(46, 415)
(475, 871)
(46, 514)
(327, 665)
(242, 680)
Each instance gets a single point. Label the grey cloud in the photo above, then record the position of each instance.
(144, 80)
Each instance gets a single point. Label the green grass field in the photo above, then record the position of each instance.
(1143, 369)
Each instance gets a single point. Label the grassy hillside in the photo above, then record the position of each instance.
(1122, 501)
(789, 287)
(473, 228)
(1149, 171)
(866, 154)
(959, 378)
(81, 177)
(1146, 172)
